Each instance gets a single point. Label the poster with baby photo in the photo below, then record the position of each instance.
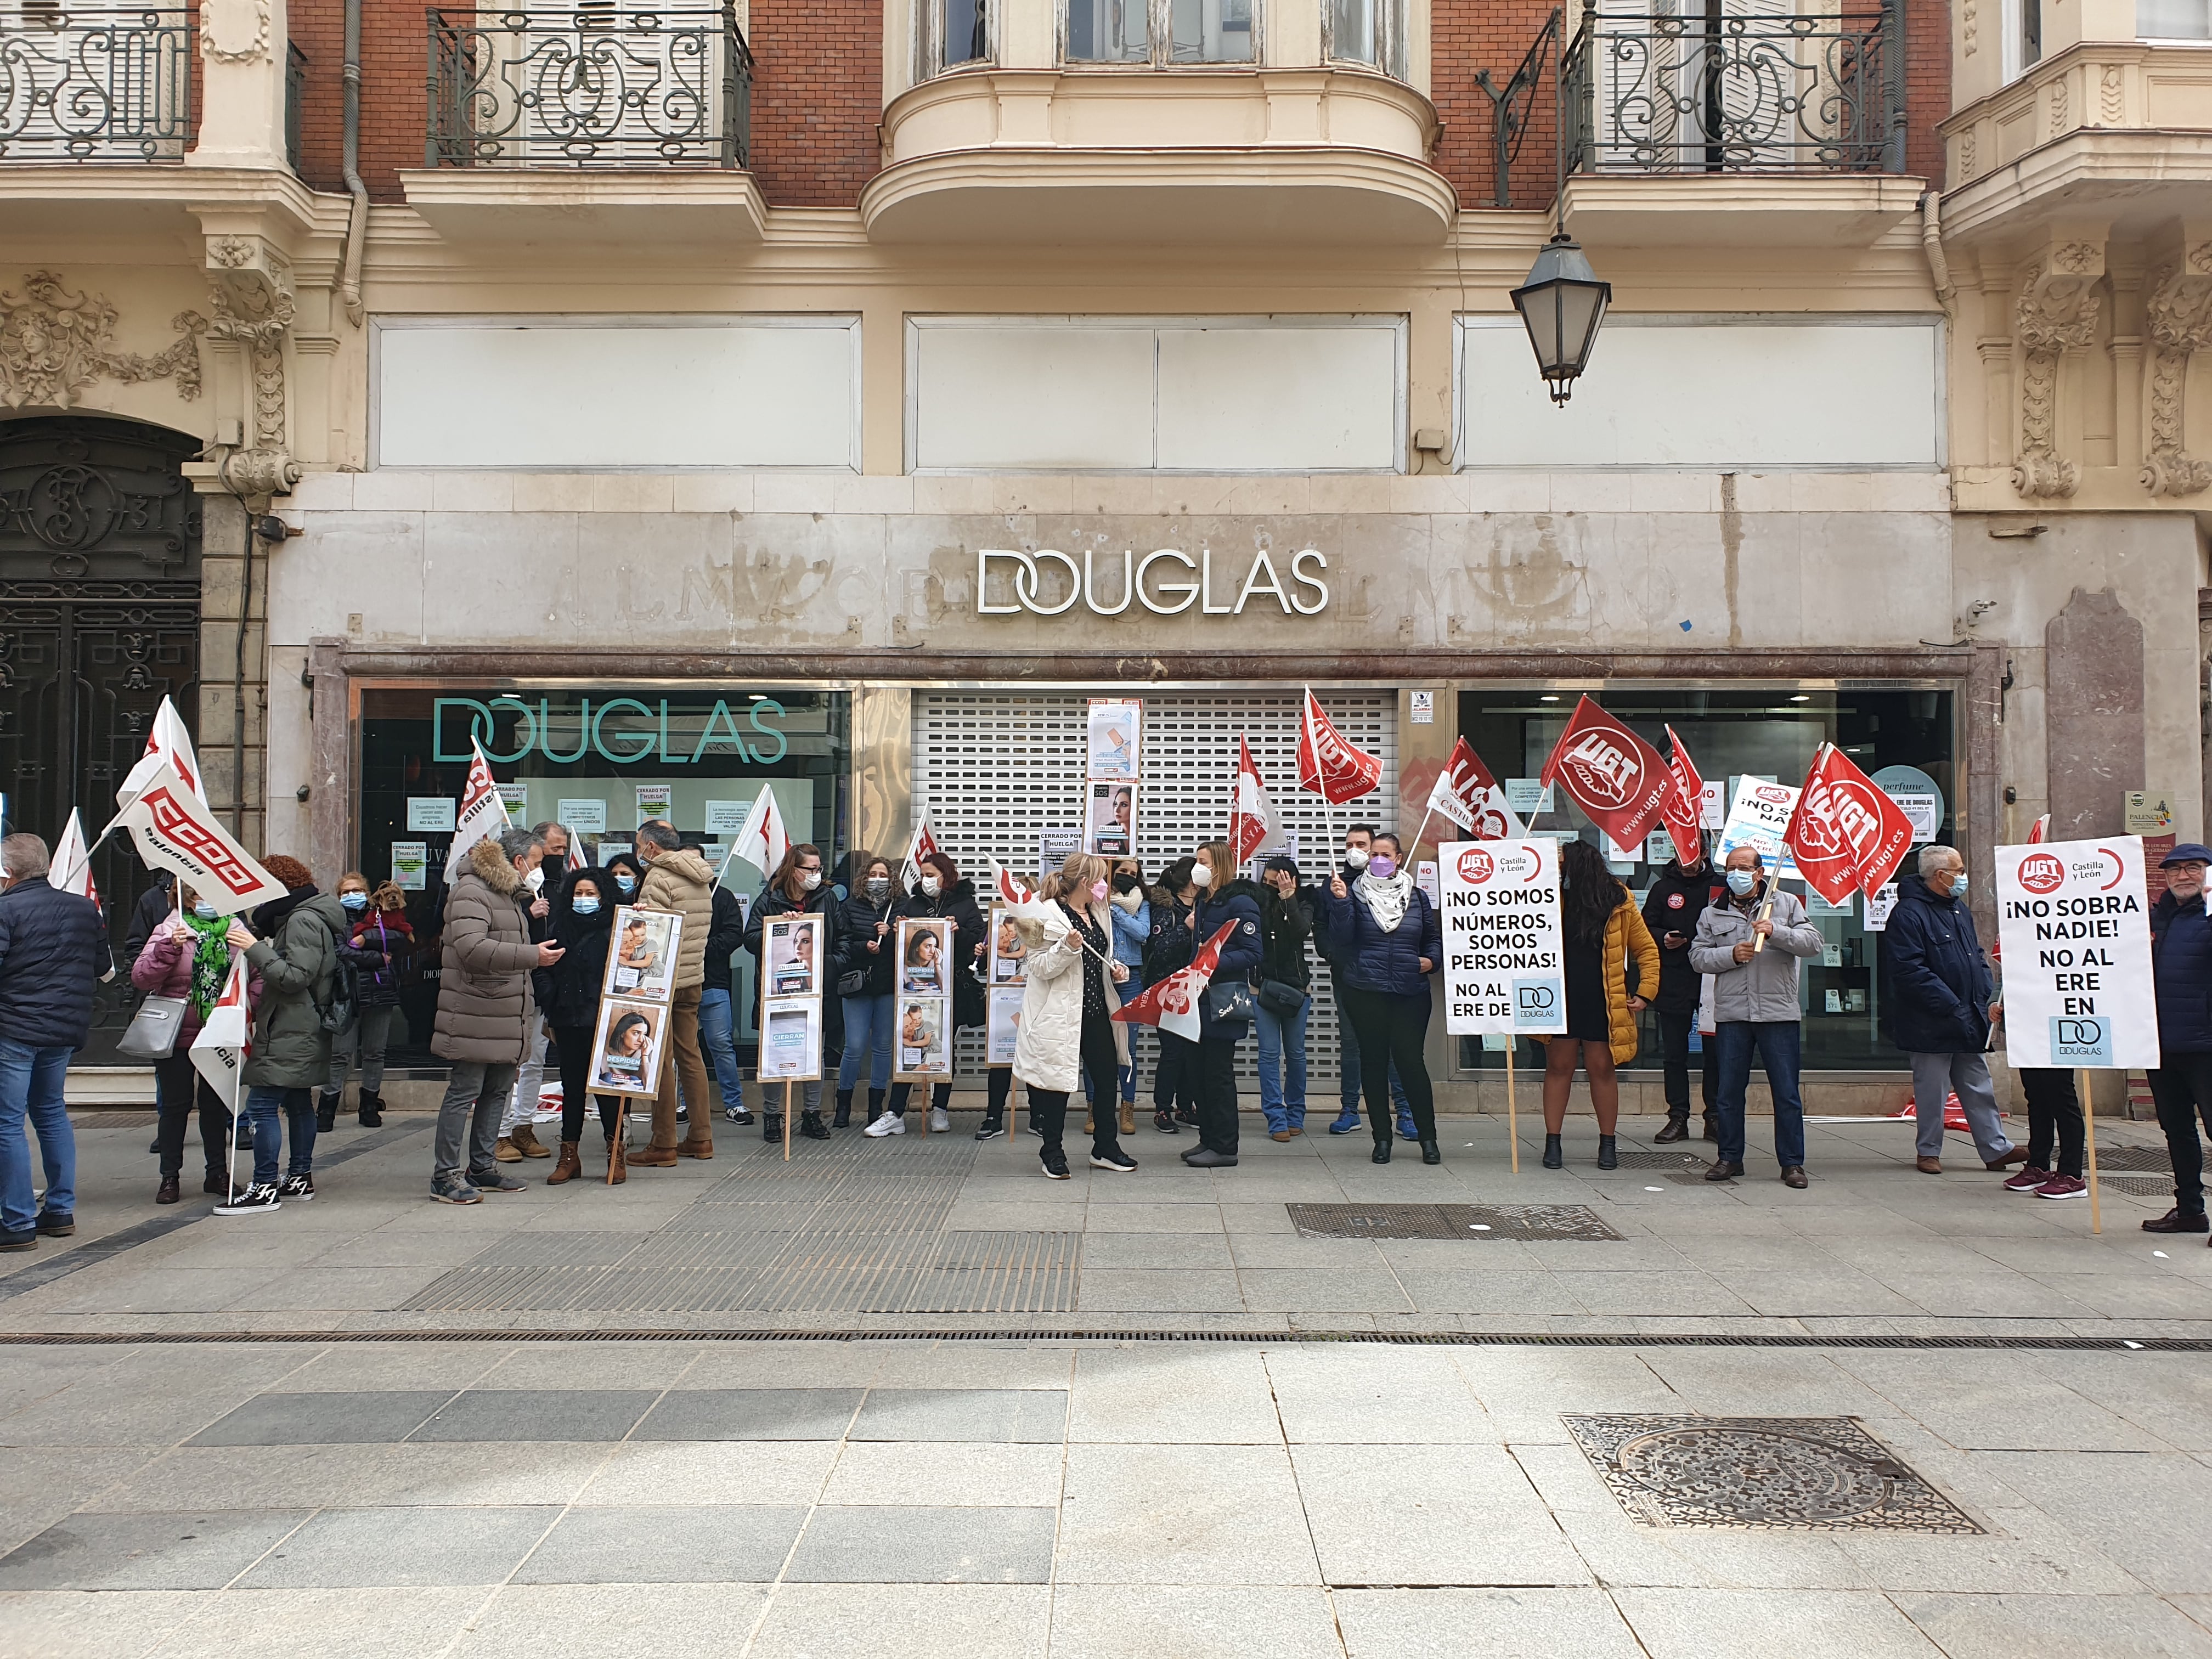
(924, 955)
(628, 1047)
(922, 1039)
(1005, 1024)
(791, 1040)
(1009, 954)
(642, 963)
(794, 956)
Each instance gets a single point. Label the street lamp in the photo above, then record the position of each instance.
(1562, 304)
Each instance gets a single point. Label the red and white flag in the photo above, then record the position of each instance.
(482, 813)
(2040, 830)
(168, 742)
(1016, 897)
(1329, 765)
(225, 1039)
(1684, 811)
(70, 867)
(1466, 794)
(918, 845)
(175, 832)
(1172, 1005)
(575, 859)
(1251, 815)
(1845, 832)
(762, 841)
(1612, 774)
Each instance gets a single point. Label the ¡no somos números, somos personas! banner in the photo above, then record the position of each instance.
(2074, 921)
(1504, 959)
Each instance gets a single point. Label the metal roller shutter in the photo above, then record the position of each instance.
(994, 770)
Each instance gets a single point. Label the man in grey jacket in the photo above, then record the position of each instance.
(1755, 1006)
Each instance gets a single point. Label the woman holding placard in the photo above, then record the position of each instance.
(568, 996)
(1386, 941)
(796, 888)
(943, 894)
(864, 980)
(1067, 1026)
(1601, 929)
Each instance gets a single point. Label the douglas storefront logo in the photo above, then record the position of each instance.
(623, 729)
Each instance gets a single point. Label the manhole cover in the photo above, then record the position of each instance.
(1636, 1160)
(1475, 1222)
(1792, 1474)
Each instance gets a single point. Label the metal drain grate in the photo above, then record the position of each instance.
(2148, 1160)
(1469, 1221)
(1637, 1160)
(1774, 1474)
(2138, 1186)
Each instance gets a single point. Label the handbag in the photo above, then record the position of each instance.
(1277, 997)
(853, 983)
(152, 1031)
(1229, 1003)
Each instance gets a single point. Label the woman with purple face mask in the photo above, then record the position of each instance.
(1389, 940)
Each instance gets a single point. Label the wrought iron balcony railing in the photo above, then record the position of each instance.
(590, 86)
(95, 84)
(1716, 87)
(295, 96)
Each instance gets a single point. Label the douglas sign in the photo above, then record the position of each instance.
(1166, 581)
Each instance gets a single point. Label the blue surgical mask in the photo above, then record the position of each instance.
(354, 900)
(1742, 882)
(205, 911)
(585, 907)
(1958, 887)
(626, 883)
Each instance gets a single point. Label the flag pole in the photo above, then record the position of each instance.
(1512, 1111)
(2089, 1143)
(1415, 848)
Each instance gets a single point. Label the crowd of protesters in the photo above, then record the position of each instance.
(525, 935)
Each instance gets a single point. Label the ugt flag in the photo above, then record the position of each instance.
(1329, 765)
(168, 742)
(70, 867)
(1466, 794)
(1612, 774)
(1172, 1005)
(482, 813)
(1685, 805)
(1251, 816)
(175, 832)
(1845, 832)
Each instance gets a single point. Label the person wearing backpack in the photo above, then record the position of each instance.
(296, 952)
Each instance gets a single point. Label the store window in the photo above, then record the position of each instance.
(600, 762)
(1905, 739)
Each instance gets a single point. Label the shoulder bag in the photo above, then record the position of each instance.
(1279, 997)
(154, 1028)
(1230, 1002)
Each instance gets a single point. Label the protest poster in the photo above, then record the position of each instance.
(922, 1034)
(643, 961)
(1054, 849)
(1114, 732)
(515, 797)
(411, 866)
(791, 952)
(1528, 797)
(1009, 952)
(587, 815)
(1111, 820)
(1759, 818)
(2074, 925)
(628, 1047)
(725, 818)
(654, 800)
(431, 813)
(1880, 904)
(791, 1039)
(1005, 963)
(1004, 1027)
(1504, 960)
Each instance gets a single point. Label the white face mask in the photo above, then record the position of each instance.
(930, 885)
(810, 880)
(1202, 875)
(535, 881)
(1355, 858)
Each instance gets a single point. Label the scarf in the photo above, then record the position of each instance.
(210, 961)
(1386, 901)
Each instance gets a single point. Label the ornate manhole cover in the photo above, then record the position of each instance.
(1473, 1222)
(1796, 1474)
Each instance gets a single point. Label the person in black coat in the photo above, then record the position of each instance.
(1227, 900)
(1286, 922)
(725, 936)
(795, 888)
(1387, 941)
(867, 923)
(567, 995)
(154, 905)
(2181, 985)
(1940, 996)
(942, 892)
(1678, 897)
(1168, 947)
(53, 949)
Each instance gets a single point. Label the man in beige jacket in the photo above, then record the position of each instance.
(677, 879)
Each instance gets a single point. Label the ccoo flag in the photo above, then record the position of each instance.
(1466, 794)
(175, 832)
(1684, 811)
(1251, 815)
(483, 811)
(1844, 831)
(1329, 765)
(71, 868)
(1612, 774)
(167, 741)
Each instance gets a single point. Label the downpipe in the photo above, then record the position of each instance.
(357, 220)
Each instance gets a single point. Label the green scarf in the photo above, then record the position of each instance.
(210, 961)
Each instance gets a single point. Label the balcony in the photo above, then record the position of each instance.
(588, 123)
(96, 83)
(1727, 123)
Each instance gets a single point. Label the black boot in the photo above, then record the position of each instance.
(844, 1118)
(1553, 1158)
(326, 1111)
(771, 1125)
(1382, 1154)
(1713, 1128)
(371, 1110)
(1430, 1154)
(1678, 1128)
(1608, 1156)
(811, 1126)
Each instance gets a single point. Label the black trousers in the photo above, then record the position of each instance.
(1674, 1044)
(1396, 1026)
(1175, 1078)
(2183, 1089)
(1217, 1095)
(940, 1095)
(2054, 1112)
(1002, 1088)
(182, 1088)
(1049, 1106)
(575, 1083)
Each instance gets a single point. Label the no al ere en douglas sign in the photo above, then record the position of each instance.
(2073, 919)
(1505, 965)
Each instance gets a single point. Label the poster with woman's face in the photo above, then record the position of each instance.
(1115, 728)
(922, 1038)
(627, 1046)
(1110, 824)
(793, 952)
(924, 955)
(1009, 954)
(791, 1040)
(1003, 1026)
(642, 962)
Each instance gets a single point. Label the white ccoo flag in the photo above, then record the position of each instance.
(168, 742)
(70, 867)
(175, 832)
(483, 812)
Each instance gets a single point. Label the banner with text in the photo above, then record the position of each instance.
(2074, 925)
(1504, 959)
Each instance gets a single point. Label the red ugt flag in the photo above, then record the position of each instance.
(1686, 804)
(1251, 816)
(1327, 763)
(1172, 1005)
(1612, 774)
(1845, 832)
(1466, 794)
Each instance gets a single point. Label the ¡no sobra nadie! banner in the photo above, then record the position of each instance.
(1504, 961)
(2074, 917)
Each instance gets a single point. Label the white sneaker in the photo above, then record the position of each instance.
(889, 1124)
(940, 1122)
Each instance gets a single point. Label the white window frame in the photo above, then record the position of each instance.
(1397, 323)
(848, 321)
(2014, 61)
(1159, 30)
(1394, 31)
(929, 41)
(1465, 321)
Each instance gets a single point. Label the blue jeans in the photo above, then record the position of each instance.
(1347, 1081)
(299, 1106)
(1779, 1043)
(30, 1088)
(867, 1029)
(1283, 1045)
(716, 1029)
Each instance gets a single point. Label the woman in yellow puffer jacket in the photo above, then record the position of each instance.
(1603, 931)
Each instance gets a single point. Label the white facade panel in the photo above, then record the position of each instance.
(1717, 392)
(1061, 398)
(1261, 399)
(550, 393)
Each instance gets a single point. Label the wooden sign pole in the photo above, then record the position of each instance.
(787, 1123)
(2089, 1143)
(1512, 1112)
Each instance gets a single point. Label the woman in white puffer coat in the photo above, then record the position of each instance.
(1067, 1027)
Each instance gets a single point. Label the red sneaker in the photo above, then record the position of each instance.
(2064, 1186)
(2027, 1181)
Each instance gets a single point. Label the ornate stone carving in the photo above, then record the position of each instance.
(2057, 107)
(1966, 154)
(53, 344)
(2058, 312)
(2180, 315)
(234, 31)
(1968, 27)
(2112, 95)
(254, 303)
